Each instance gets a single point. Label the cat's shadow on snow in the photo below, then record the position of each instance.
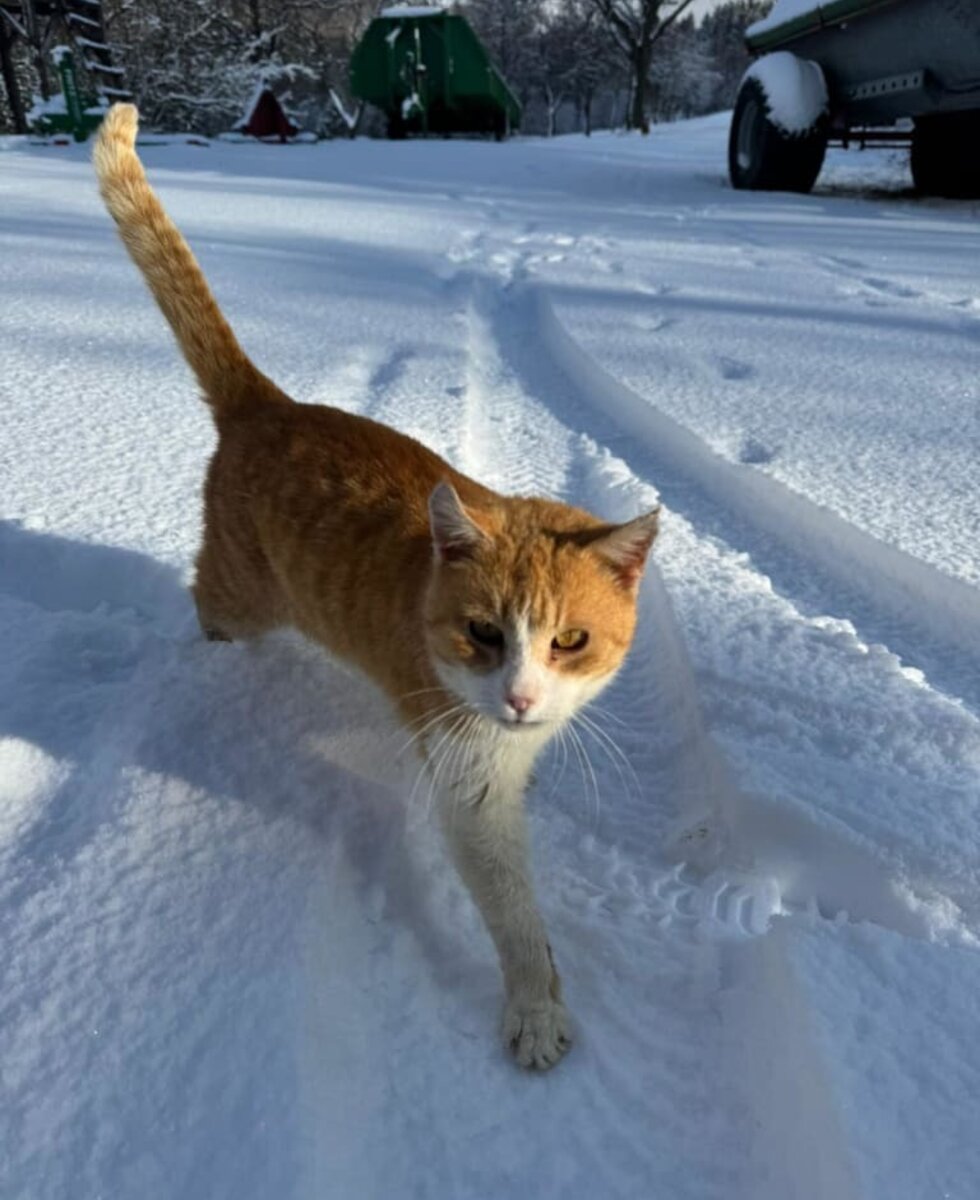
(106, 670)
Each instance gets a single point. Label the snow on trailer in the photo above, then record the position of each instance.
(889, 72)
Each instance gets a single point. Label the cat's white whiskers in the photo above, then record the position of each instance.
(472, 750)
(448, 703)
(456, 773)
(567, 731)
(429, 720)
(446, 753)
(441, 756)
(586, 763)
(425, 723)
(601, 711)
(426, 691)
(612, 751)
(458, 756)
(432, 756)
(562, 750)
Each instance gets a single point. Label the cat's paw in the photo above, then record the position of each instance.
(537, 1034)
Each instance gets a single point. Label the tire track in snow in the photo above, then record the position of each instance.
(847, 870)
(842, 870)
(507, 437)
(931, 619)
(513, 440)
(613, 901)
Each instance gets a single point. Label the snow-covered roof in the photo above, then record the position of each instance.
(251, 102)
(412, 10)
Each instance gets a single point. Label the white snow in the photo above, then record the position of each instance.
(781, 12)
(236, 961)
(55, 105)
(412, 10)
(350, 117)
(795, 90)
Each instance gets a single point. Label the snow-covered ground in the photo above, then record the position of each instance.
(235, 960)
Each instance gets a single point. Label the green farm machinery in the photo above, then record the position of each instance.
(71, 34)
(428, 72)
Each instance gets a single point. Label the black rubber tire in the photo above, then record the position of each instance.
(946, 155)
(761, 157)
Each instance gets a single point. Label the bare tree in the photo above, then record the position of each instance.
(508, 29)
(556, 62)
(636, 25)
(575, 58)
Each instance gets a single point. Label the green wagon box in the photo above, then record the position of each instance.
(428, 72)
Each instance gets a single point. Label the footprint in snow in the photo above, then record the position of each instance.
(888, 288)
(655, 289)
(654, 324)
(610, 266)
(732, 368)
(754, 453)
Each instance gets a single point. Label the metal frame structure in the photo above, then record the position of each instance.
(39, 23)
(885, 61)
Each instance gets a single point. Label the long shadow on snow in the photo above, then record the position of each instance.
(562, 176)
(778, 311)
(760, 221)
(110, 673)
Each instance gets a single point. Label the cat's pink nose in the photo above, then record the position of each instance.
(520, 704)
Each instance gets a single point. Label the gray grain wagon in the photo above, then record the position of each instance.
(894, 71)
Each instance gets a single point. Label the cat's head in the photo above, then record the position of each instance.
(531, 606)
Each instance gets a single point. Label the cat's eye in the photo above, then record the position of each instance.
(570, 639)
(485, 633)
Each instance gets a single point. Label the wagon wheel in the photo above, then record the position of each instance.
(764, 157)
(946, 155)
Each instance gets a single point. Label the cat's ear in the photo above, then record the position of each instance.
(625, 548)
(455, 534)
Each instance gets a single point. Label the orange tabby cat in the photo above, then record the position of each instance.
(488, 620)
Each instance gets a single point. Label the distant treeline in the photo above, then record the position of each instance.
(576, 65)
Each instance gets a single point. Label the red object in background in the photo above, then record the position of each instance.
(267, 119)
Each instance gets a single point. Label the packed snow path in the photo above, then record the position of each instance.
(236, 962)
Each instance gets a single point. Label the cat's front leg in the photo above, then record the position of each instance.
(487, 834)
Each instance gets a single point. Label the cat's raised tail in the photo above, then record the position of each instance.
(227, 376)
